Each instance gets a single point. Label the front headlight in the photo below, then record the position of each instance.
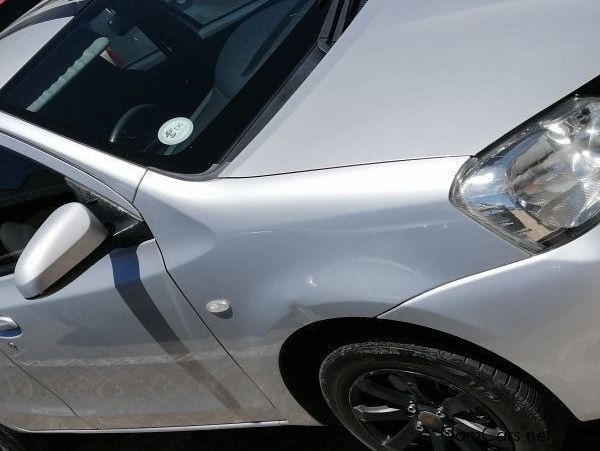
(540, 187)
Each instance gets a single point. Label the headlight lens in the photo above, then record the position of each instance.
(541, 187)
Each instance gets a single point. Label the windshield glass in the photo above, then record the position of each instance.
(165, 83)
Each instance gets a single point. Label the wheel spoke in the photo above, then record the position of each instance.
(437, 442)
(496, 437)
(407, 435)
(380, 413)
(457, 404)
(384, 393)
(409, 383)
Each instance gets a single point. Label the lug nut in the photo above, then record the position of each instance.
(448, 432)
(412, 408)
(419, 426)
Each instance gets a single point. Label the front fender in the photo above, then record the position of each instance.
(542, 314)
(292, 249)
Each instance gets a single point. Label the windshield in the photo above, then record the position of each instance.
(165, 83)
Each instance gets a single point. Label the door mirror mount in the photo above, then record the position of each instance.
(69, 235)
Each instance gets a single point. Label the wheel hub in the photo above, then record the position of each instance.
(430, 420)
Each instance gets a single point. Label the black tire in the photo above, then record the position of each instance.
(9, 441)
(532, 420)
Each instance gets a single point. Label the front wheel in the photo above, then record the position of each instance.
(395, 396)
(9, 441)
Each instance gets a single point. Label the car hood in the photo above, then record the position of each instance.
(429, 79)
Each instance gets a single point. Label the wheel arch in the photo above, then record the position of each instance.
(300, 369)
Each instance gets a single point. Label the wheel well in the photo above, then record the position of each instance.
(304, 351)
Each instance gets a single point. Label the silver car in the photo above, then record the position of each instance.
(245, 213)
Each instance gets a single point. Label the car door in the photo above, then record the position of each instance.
(117, 341)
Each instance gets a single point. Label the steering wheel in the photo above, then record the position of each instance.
(137, 129)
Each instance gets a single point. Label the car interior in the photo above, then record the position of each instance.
(29, 193)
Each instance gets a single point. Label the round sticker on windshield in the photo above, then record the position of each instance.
(175, 131)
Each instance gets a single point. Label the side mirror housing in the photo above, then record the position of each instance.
(64, 240)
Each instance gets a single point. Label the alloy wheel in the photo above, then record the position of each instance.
(405, 410)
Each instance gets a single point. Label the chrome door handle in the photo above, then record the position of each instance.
(9, 328)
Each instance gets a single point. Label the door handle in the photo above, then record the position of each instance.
(9, 328)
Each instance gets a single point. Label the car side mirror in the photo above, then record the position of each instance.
(63, 241)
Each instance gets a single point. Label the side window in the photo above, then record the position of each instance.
(29, 193)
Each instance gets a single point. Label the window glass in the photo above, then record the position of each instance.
(170, 84)
(29, 193)
(209, 10)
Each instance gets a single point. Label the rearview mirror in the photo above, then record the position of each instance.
(64, 240)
